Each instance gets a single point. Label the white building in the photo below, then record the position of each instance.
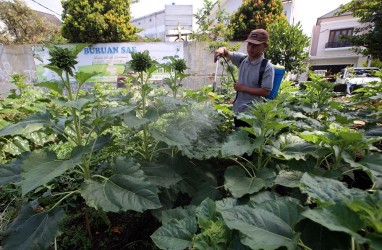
(328, 52)
(174, 23)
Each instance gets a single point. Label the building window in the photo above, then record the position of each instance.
(336, 40)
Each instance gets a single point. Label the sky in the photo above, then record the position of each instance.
(306, 11)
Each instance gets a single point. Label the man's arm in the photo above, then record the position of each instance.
(250, 90)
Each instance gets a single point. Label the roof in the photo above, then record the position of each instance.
(333, 13)
(49, 17)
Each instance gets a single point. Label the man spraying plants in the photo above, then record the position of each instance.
(256, 74)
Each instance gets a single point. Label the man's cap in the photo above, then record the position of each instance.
(258, 36)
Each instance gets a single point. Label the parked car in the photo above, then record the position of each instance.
(354, 77)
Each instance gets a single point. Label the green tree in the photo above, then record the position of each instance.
(94, 21)
(368, 36)
(23, 25)
(212, 28)
(288, 46)
(255, 14)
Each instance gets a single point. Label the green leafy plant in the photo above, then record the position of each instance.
(266, 121)
(227, 224)
(175, 69)
(316, 97)
(19, 81)
(344, 143)
(142, 63)
(81, 122)
(305, 174)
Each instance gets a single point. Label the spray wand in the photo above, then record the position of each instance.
(229, 69)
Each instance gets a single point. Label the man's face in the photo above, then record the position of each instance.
(255, 50)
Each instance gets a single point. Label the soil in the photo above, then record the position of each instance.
(129, 230)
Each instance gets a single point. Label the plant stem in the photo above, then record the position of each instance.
(175, 88)
(301, 244)
(145, 128)
(338, 158)
(245, 169)
(351, 170)
(76, 119)
(104, 217)
(87, 223)
(100, 176)
(63, 198)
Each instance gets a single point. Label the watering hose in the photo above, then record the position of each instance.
(229, 69)
(233, 76)
(216, 73)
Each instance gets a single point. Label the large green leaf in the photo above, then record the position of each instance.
(287, 209)
(263, 196)
(338, 218)
(172, 137)
(128, 166)
(178, 214)
(226, 203)
(28, 125)
(375, 241)
(105, 113)
(207, 210)
(372, 163)
(370, 210)
(318, 237)
(374, 131)
(239, 183)
(3, 123)
(40, 138)
(132, 121)
(32, 230)
(42, 166)
(160, 175)
(80, 103)
(289, 178)
(82, 77)
(126, 189)
(238, 143)
(198, 181)
(176, 235)
(206, 189)
(327, 190)
(52, 85)
(300, 151)
(10, 172)
(55, 69)
(16, 146)
(261, 229)
(121, 193)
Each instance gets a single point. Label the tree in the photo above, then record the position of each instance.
(368, 36)
(94, 21)
(23, 25)
(288, 46)
(212, 28)
(255, 14)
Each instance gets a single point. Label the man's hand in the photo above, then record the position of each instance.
(219, 52)
(239, 87)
